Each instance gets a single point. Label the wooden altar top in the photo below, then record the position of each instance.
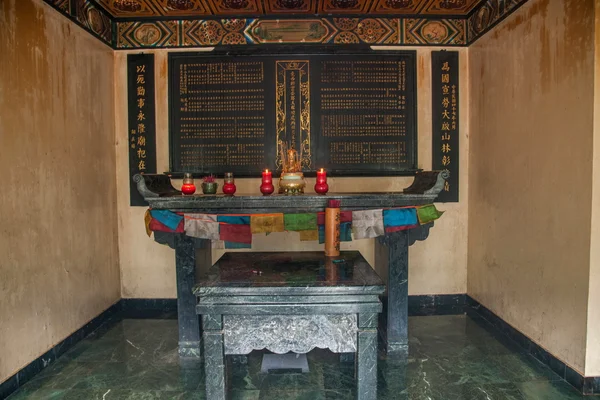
(158, 191)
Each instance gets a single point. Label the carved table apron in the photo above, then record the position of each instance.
(289, 301)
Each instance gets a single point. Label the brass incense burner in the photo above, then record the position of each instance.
(292, 180)
(292, 183)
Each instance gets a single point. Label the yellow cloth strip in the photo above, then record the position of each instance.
(266, 223)
(147, 219)
(309, 236)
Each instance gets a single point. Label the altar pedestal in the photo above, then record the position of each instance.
(290, 302)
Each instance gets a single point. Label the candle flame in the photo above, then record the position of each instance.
(267, 171)
(322, 170)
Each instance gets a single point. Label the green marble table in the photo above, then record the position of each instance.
(193, 255)
(289, 301)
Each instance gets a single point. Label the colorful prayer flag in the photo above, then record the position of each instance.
(157, 226)
(345, 216)
(300, 222)
(267, 223)
(345, 232)
(147, 220)
(235, 233)
(167, 218)
(309, 236)
(367, 224)
(202, 226)
(400, 217)
(234, 245)
(234, 219)
(428, 214)
(392, 229)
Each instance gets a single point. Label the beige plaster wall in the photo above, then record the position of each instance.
(592, 362)
(58, 237)
(438, 265)
(531, 172)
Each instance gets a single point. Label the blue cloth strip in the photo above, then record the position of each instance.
(234, 219)
(400, 217)
(167, 218)
(233, 245)
(345, 232)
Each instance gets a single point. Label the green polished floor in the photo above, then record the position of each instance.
(451, 357)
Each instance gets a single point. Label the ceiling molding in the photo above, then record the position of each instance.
(207, 23)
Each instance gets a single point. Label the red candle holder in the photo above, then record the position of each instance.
(266, 187)
(229, 186)
(188, 186)
(321, 187)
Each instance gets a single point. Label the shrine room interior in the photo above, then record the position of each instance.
(407, 199)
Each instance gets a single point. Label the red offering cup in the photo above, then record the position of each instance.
(266, 187)
(321, 187)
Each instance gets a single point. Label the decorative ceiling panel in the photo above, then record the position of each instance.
(400, 7)
(129, 8)
(449, 7)
(290, 6)
(344, 6)
(179, 8)
(290, 31)
(236, 7)
(194, 8)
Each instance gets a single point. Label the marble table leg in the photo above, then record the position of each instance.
(214, 357)
(393, 252)
(396, 329)
(185, 264)
(366, 387)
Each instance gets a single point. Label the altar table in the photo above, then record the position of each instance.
(289, 302)
(193, 255)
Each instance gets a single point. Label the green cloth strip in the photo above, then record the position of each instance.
(300, 222)
(428, 214)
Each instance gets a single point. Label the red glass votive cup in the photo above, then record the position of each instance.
(188, 186)
(266, 187)
(229, 185)
(321, 187)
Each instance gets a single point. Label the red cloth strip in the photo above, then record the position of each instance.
(399, 228)
(236, 233)
(345, 216)
(156, 226)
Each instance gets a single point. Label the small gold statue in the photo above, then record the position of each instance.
(292, 178)
(289, 159)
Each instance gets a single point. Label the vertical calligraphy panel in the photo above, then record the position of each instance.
(444, 70)
(142, 123)
(293, 108)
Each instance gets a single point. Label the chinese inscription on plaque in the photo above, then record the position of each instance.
(351, 114)
(445, 120)
(367, 114)
(293, 109)
(218, 117)
(142, 130)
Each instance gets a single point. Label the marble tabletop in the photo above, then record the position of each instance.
(288, 273)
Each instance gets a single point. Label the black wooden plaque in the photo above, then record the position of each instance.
(445, 91)
(365, 114)
(353, 114)
(142, 123)
(218, 114)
